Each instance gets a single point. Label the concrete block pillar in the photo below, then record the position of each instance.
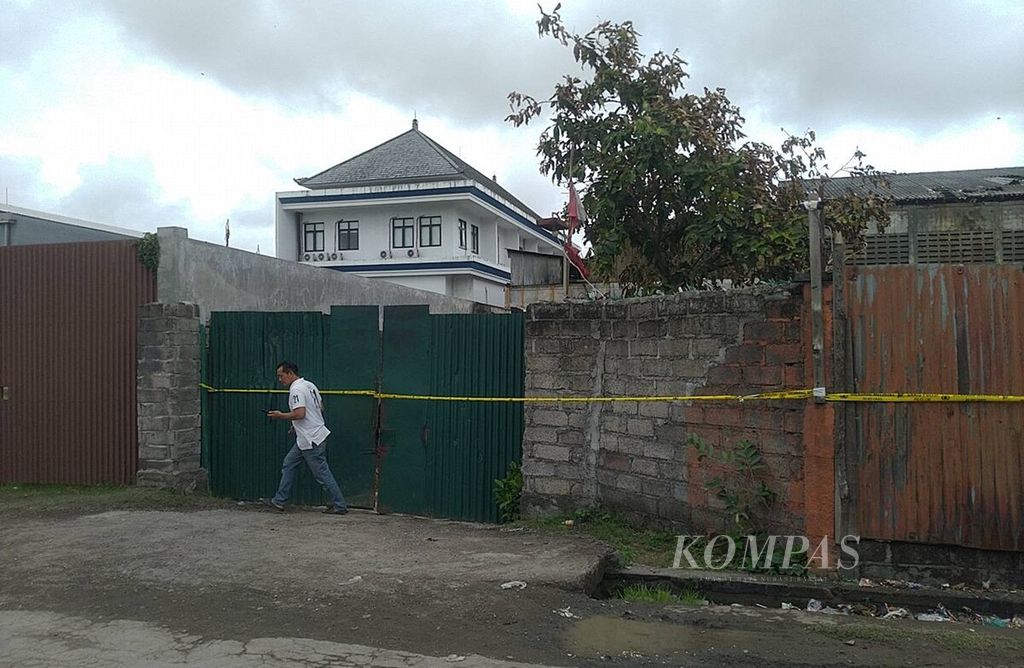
(169, 420)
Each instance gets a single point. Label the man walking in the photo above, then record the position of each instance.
(307, 418)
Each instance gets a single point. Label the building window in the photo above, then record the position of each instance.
(430, 231)
(475, 238)
(348, 235)
(313, 237)
(462, 234)
(403, 233)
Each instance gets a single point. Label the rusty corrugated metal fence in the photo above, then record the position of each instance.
(938, 473)
(68, 361)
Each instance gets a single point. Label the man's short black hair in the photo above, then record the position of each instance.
(289, 367)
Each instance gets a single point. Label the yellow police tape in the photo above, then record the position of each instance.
(867, 397)
(921, 397)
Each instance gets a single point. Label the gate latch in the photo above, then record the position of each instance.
(5, 393)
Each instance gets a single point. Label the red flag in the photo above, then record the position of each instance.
(576, 213)
(576, 260)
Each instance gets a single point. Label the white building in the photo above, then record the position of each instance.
(411, 212)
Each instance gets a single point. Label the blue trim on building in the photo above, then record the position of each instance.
(459, 190)
(426, 266)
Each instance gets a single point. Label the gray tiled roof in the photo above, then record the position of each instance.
(411, 157)
(968, 184)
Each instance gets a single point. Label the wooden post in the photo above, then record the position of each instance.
(841, 381)
(817, 318)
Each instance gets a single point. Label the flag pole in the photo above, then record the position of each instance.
(568, 234)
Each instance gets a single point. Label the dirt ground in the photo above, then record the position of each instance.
(127, 575)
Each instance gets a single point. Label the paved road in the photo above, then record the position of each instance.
(52, 640)
(234, 586)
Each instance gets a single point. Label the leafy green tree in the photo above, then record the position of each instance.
(675, 194)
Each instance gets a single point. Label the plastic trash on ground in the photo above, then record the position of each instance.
(895, 613)
(998, 622)
(940, 614)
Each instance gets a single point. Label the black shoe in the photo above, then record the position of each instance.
(331, 510)
(270, 503)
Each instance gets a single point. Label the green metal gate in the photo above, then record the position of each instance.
(419, 456)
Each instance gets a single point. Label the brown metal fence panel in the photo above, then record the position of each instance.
(938, 473)
(68, 362)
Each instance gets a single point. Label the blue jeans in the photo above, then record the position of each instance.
(316, 459)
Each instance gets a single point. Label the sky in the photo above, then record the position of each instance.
(152, 113)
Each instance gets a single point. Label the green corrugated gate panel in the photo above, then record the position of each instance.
(240, 438)
(405, 370)
(472, 443)
(204, 399)
(436, 458)
(442, 457)
(246, 448)
(352, 362)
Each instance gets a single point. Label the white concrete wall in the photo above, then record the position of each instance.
(461, 287)
(487, 292)
(489, 243)
(456, 286)
(375, 231)
(509, 238)
(286, 240)
(497, 236)
(436, 284)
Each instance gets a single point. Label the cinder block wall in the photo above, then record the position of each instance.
(168, 397)
(634, 457)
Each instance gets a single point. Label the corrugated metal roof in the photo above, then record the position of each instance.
(8, 211)
(967, 184)
(411, 157)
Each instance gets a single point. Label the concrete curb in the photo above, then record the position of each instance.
(591, 581)
(748, 588)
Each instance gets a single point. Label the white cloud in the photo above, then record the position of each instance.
(991, 143)
(133, 111)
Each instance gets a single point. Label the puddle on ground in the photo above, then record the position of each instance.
(598, 636)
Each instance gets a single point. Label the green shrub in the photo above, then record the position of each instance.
(508, 492)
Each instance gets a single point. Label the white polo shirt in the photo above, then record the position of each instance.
(310, 430)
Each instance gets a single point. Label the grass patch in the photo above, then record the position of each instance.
(646, 593)
(889, 633)
(80, 500)
(635, 546)
(949, 636)
(41, 491)
(651, 547)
